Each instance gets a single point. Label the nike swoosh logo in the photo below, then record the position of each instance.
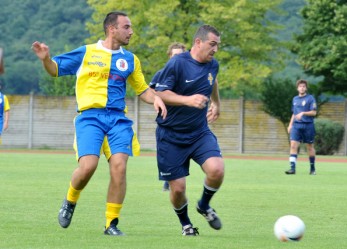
(187, 81)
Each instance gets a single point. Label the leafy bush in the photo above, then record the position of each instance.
(329, 136)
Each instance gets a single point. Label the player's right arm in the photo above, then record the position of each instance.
(291, 123)
(42, 52)
(171, 98)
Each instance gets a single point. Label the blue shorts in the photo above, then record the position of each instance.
(91, 126)
(174, 152)
(303, 133)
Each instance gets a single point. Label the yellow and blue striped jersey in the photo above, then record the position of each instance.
(4, 106)
(102, 75)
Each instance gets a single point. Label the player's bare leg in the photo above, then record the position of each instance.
(179, 202)
(294, 146)
(214, 170)
(79, 179)
(116, 192)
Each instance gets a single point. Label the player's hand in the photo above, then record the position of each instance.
(41, 50)
(212, 113)
(198, 100)
(299, 116)
(159, 106)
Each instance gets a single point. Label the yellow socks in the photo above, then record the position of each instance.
(112, 212)
(73, 194)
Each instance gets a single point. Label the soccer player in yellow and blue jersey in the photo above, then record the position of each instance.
(4, 113)
(103, 71)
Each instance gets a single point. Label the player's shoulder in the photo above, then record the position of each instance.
(185, 56)
(130, 56)
(127, 52)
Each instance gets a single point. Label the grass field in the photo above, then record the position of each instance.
(254, 194)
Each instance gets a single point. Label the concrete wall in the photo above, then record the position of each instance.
(47, 122)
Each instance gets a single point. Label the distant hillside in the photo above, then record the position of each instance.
(59, 24)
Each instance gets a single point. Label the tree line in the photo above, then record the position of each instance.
(277, 39)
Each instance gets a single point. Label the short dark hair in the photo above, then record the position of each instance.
(203, 32)
(111, 19)
(175, 45)
(301, 82)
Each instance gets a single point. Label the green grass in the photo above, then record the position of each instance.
(254, 194)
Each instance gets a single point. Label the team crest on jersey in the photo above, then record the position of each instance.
(122, 65)
(303, 103)
(210, 78)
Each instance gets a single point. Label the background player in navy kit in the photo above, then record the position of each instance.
(301, 127)
(186, 84)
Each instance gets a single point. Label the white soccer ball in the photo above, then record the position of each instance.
(289, 228)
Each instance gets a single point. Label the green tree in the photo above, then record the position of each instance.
(322, 47)
(57, 86)
(277, 96)
(248, 52)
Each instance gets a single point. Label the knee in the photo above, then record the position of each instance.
(217, 173)
(86, 170)
(177, 190)
(293, 147)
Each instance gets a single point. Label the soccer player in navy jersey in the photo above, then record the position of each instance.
(103, 71)
(301, 127)
(186, 84)
(173, 49)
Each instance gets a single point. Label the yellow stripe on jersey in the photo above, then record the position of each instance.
(93, 95)
(136, 79)
(7, 104)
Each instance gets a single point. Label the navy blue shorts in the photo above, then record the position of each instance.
(303, 132)
(175, 149)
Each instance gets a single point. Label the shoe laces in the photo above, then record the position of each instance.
(189, 230)
(112, 229)
(67, 209)
(210, 214)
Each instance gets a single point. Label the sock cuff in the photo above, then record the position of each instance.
(210, 188)
(180, 208)
(293, 158)
(114, 205)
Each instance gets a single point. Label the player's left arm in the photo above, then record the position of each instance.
(7, 113)
(150, 97)
(146, 94)
(214, 110)
(7, 118)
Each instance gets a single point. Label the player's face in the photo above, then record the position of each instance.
(209, 47)
(302, 89)
(122, 31)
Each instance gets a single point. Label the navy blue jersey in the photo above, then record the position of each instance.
(304, 104)
(185, 76)
(155, 79)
